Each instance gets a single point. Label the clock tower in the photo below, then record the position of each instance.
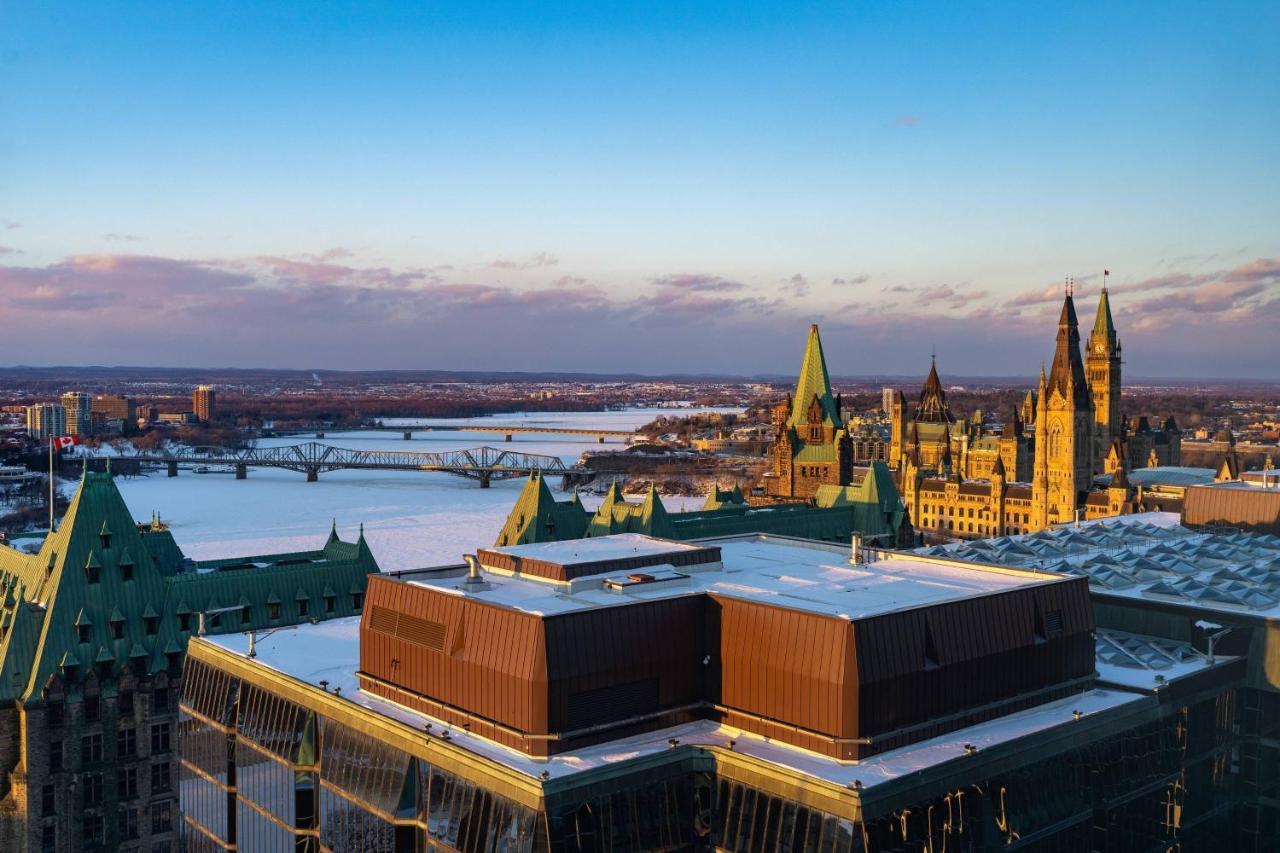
(1102, 365)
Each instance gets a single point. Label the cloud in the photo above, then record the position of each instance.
(854, 279)
(797, 285)
(326, 310)
(534, 261)
(6, 250)
(698, 282)
(9, 225)
(897, 288)
(122, 238)
(907, 121)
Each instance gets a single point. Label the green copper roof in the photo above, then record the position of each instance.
(871, 507)
(538, 517)
(720, 498)
(814, 382)
(1103, 327)
(74, 585)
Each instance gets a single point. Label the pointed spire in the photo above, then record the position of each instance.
(1067, 374)
(1103, 327)
(814, 383)
(997, 470)
(932, 407)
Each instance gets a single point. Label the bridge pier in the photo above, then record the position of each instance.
(407, 435)
(600, 438)
(242, 471)
(171, 468)
(508, 436)
(320, 435)
(313, 474)
(484, 481)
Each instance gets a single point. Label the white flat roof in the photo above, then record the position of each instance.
(616, 547)
(791, 573)
(329, 651)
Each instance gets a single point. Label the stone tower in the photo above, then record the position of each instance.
(1064, 429)
(1102, 365)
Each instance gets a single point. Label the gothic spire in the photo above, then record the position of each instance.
(1067, 373)
(814, 382)
(932, 407)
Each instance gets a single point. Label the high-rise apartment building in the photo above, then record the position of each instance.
(204, 402)
(46, 419)
(78, 405)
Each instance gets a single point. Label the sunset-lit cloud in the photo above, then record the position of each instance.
(278, 311)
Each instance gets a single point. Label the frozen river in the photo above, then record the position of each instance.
(410, 519)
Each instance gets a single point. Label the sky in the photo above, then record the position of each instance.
(649, 187)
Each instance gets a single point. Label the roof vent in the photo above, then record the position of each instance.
(475, 582)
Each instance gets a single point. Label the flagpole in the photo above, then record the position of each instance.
(51, 484)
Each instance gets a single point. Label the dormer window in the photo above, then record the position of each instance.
(126, 571)
(105, 538)
(82, 633)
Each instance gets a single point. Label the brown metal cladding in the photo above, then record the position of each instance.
(786, 665)
(1253, 509)
(544, 684)
(987, 649)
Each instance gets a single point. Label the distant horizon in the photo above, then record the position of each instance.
(570, 376)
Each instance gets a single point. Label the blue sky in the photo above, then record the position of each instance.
(661, 187)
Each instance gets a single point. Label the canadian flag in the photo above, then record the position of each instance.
(62, 442)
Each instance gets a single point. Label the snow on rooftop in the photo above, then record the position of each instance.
(329, 651)
(616, 547)
(789, 573)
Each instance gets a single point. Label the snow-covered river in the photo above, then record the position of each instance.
(410, 519)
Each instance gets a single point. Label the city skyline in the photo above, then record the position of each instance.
(666, 191)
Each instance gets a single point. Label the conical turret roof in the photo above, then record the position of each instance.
(932, 407)
(814, 383)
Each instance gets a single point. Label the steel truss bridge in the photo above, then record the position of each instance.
(483, 464)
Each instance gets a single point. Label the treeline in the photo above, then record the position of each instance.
(351, 412)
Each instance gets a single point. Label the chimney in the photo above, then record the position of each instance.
(857, 556)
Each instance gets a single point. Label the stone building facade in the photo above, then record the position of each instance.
(812, 447)
(93, 634)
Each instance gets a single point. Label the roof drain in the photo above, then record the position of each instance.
(474, 582)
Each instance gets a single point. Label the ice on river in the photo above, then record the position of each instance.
(410, 519)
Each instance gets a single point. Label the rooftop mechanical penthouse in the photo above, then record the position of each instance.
(550, 647)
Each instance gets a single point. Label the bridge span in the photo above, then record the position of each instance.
(508, 432)
(483, 464)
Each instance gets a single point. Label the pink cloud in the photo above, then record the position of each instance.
(327, 311)
(534, 261)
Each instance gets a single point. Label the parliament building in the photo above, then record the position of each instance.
(1064, 454)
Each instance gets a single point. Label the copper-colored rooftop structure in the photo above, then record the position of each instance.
(560, 645)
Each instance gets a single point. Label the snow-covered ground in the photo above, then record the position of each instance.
(410, 519)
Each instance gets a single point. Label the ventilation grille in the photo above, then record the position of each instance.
(402, 626)
(1053, 623)
(606, 704)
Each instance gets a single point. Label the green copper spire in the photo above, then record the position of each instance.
(1102, 326)
(814, 382)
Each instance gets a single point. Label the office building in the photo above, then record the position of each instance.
(116, 407)
(747, 693)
